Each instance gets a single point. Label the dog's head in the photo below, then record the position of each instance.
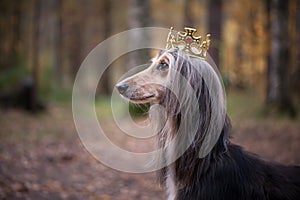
(191, 93)
(149, 85)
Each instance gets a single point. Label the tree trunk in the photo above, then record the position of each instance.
(278, 94)
(296, 79)
(188, 16)
(58, 44)
(298, 38)
(106, 77)
(215, 10)
(139, 17)
(75, 39)
(35, 57)
(272, 79)
(10, 22)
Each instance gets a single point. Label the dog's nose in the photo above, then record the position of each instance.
(122, 87)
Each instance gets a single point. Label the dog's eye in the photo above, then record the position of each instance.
(162, 66)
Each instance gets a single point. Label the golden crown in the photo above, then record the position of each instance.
(187, 41)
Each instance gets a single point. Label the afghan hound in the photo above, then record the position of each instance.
(198, 160)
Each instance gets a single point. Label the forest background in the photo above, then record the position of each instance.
(255, 45)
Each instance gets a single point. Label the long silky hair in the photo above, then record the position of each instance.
(193, 126)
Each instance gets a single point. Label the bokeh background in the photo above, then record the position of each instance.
(255, 45)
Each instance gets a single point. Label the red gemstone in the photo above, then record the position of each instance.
(188, 39)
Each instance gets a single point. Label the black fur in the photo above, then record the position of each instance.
(233, 174)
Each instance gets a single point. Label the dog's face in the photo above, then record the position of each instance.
(149, 85)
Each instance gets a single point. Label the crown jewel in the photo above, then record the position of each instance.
(187, 41)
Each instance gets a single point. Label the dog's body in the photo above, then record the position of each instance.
(202, 163)
(229, 173)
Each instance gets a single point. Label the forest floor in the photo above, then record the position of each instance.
(42, 157)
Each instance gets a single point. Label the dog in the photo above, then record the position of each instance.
(198, 160)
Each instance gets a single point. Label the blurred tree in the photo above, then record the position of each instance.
(139, 17)
(74, 41)
(278, 87)
(269, 45)
(10, 22)
(295, 52)
(58, 43)
(106, 78)
(215, 15)
(33, 91)
(188, 15)
(297, 60)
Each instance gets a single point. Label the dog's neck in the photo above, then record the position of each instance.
(190, 166)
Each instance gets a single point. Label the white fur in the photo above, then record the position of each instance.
(170, 183)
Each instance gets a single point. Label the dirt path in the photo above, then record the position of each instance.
(41, 157)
